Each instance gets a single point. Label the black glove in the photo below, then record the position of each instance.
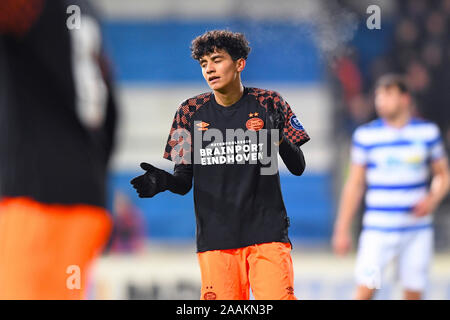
(275, 119)
(152, 182)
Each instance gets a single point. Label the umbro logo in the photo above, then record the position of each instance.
(202, 126)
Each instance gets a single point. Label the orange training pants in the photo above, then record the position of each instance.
(44, 247)
(266, 268)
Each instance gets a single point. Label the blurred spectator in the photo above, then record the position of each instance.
(349, 75)
(129, 232)
(357, 110)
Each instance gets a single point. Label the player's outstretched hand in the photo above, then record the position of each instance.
(152, 182)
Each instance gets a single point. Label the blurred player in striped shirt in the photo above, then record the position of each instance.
(399, 162)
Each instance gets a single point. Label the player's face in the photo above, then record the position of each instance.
(219, 69)
(390, 102)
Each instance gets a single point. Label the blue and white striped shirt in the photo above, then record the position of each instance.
(398, 171)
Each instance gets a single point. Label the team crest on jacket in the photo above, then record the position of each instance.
(254, 124)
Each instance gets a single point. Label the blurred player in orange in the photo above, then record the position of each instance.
(57, 124)
(217, 139)
(401, 162)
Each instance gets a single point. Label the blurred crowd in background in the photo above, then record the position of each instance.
(418, 48)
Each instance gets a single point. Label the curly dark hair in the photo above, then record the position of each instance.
(232, 42)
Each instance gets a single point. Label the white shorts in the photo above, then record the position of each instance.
(413, 251)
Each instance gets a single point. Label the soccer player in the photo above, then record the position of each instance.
(242, 224)
(54, 149)
(402, 162)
